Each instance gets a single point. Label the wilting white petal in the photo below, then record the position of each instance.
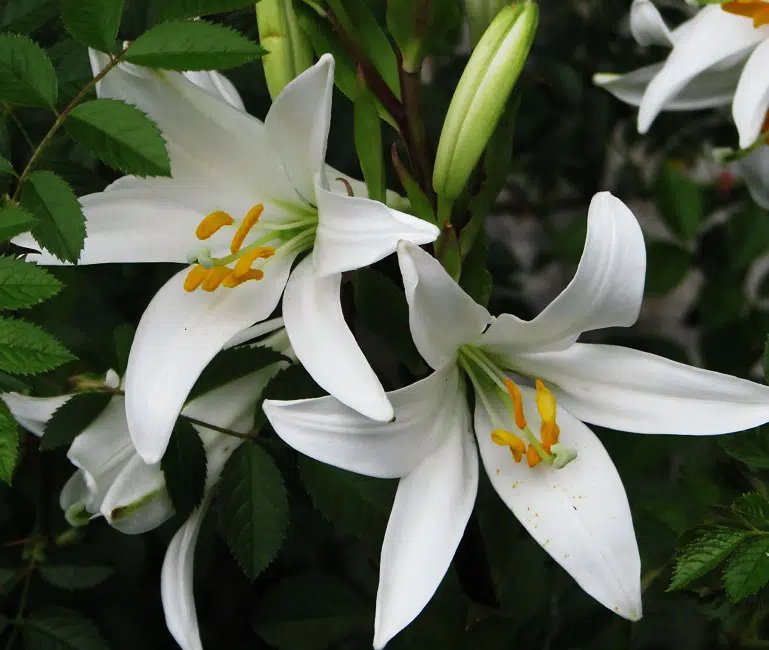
(647, 25)
(754, 170)
(297, 125)
(355, 232)
(751, 101)
(176, 583)
(33, 413)
(324, 344)
(606, 290)
(713, 38)
(217, 84)
(628, 390)
(441, 315)
(74, 498)
(431, 509)
(328, 431)
(578, 514)
(179, 333)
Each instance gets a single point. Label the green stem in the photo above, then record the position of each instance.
(9, 112)
(60, 120)
(229, 432)
(22, 606)
(413, 129)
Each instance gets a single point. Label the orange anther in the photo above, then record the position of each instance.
(233, 280)
(243, 265)
(507, 439)
(215, 277)
(532, 457)
(195, 277)
(545, 403)
(549, 432)
(249, 221)
(212, 222)
(515, 395)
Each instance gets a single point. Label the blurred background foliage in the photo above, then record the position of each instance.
(707, 305)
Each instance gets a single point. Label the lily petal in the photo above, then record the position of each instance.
(751, 100)
(431, 509)
(33, 413)
(579, 514)
(647, 25)
(354, 232)
(628, 390)
(297, 125)
(327, 430)
(176, 583)
(713, 38)
(325, 345)
(441, 315)
(217, 84)
(606, 290)
(179, 333)
(754, 170)
(712, 88)
(73, 499)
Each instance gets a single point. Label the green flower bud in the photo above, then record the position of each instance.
(289, 49)
(480, 13)
(481, 94)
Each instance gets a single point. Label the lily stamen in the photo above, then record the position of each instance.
(249, 221)
(243, 265)
(195, 277)
(215, 277)
(506, 439)
(758, 10)
(212, 223)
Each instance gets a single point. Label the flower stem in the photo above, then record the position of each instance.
(251, 435)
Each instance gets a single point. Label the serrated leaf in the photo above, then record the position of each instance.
(56, 628)
(705, 553)
(25, 16)
(121, 135)
(355, 504)
(184, 466)
(6, 167)
(9, 443)
(193, 8)
(748, 569)
(61, 224)
(754, 507)
(14, 220)
(93, 22)
(23, 284)
(75, 576)
(72, 417)
(750, 447)
(26, 349)
(233, 364)
(192, 45)
(27, 76)
(312, 611)
(253, 508)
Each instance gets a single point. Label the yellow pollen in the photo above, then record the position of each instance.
(532, 457)
(507, 439)
(549, 430)
(515, 395)
(243, 265)
(195, 277)
(212, 223)
(215, 277)
(758, 10)
(249, 221)
(233, 280)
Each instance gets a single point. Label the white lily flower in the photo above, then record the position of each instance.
(754, 170)
(568, 495)
(719, 57)
(259, 194)
(112, 480)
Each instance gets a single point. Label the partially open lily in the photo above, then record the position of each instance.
(113, 481)
(534, 385)
(246, 199)
(719, 57)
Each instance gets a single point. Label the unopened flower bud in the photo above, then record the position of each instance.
(481, 95)
(480, 13)
(289, 51)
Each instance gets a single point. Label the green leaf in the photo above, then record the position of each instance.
(75, 576)
(25, 16)
(27, 76)
(667, 265)
(56, 628)
(193, 8)
(750, 447)
(9, 443)
(753, 507)
(312, 611)
(253, 508)
(6, 167)
(368, 141)
(121, 135)
(73, 417)
(420, 204)
(61, 224)
(447, 252)
(704, 554)
(23, 284)
(93, 22)
(233, 364)
(748, 569)
(26, 349)
(184, 466)
(679, 200)
(747, 236)
(355, 504)
(192, 45)
(14, 220)
(476, 279)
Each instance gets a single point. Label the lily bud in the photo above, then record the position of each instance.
(289, 50)
(481, 94)
(480, 13)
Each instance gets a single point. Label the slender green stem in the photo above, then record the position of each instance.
(9, 112)
(22, 606)
(229, 432)
(413, 129)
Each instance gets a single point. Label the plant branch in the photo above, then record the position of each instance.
(229, 432)
(413, 130)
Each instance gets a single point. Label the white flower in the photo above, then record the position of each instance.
(754, 170)
(260, 195)
(719, 57)
(112, 480)
(519, 369)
